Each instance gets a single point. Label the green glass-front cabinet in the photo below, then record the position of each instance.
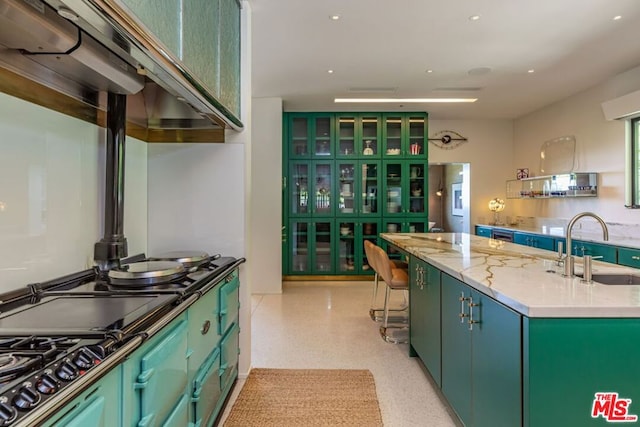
(481, 357)
(337, 173)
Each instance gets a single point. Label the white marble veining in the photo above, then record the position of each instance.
(523, 278)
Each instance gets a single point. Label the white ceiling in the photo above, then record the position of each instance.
(389, 44)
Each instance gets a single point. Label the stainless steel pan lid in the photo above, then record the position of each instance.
(186, 258)
(146, 273)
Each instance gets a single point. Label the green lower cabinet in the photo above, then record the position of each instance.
(535, 241)
(608, 253)
(581, 372)
(629, 257)
(483, 231)
(424, 299)
(481, 357)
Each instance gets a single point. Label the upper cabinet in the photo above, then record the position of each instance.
(578, 184)
(204, 37)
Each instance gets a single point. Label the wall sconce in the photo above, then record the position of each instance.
(440, 192)
(496, 206)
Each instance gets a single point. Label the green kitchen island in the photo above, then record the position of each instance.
(511, 342)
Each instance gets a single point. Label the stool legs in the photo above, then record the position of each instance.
(395, 334)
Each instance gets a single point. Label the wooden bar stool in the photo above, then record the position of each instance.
(396, 279)
(377, 313)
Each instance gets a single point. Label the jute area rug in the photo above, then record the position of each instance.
(306, 397)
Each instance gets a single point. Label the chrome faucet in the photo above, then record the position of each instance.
(569, 261)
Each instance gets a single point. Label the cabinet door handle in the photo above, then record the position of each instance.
(471, 305)
(462, 314)
(635, 257)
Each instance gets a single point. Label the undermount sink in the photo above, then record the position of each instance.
(616, 279)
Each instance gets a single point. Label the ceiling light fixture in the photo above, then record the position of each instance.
(334, 17)
(617, 17)
(474, 18)
(402, 100)
(531, 71)
(330, 71)
(429, 71)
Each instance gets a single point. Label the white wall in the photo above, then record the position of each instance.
(265, 207)
(52, 193)
(489, 154)
(600, 147)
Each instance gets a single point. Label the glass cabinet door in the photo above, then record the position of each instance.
(371, 135)
(299, 188)
(392, 135)
(417, 126)
(310, 247)
(346, 248)
(346, 136)
(417, 188)
(347, 188)
(322, 195)
(368, 191)
(322, 257)
(370, 231)
(299, 259)
(298, 136)
(393, 196)
(322, 132)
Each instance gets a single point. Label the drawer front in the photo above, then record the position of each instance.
(162, 377)
(483, 231)
(179, 416)
(629, 257)
(229, 350)
(204, 329)
(229, 301)
(206, 390)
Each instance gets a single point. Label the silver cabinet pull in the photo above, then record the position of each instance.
(462, 314)
(471, 305)
(635, 257)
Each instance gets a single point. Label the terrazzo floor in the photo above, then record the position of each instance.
(326, 325)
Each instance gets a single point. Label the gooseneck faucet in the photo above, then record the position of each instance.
(569, 261)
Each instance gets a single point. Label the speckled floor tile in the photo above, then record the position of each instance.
(326, 325)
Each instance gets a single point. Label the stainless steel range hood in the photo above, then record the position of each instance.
(87, 48)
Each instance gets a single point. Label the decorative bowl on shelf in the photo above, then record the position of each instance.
(416, 193)
(344, 230)
(393, 151)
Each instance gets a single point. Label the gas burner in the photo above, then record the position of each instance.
(12, 366)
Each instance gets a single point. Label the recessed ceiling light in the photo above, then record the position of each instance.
(401, 100)
(617, 17)
(330, 71)
(474, 17)
(334, 17)
(429, 71)
(531, 71)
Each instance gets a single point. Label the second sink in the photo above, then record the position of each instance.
(615, 279)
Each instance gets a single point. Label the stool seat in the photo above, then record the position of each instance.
(395, 279)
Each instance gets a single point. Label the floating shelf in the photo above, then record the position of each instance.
(576, 184)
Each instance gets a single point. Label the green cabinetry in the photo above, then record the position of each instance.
(481, 357)
(629, 257)
(567, 361)
(534, 240)
(424, 300)
(483, 231)
(349, 177)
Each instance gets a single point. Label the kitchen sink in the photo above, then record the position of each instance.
(616, 279)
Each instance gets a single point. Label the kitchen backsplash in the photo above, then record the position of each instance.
(585, 226)
(51, 193)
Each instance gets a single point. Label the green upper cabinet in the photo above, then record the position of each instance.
(405, 185)
(358, 135)
(310, 135)
(204, 37)
(310, 189)
(357, 188)
(404, 135)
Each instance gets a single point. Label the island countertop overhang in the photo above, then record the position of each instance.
(523, 278)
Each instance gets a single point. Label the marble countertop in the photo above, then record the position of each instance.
(524, 278)
(576, 234)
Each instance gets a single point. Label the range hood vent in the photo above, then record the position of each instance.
(94, 53)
